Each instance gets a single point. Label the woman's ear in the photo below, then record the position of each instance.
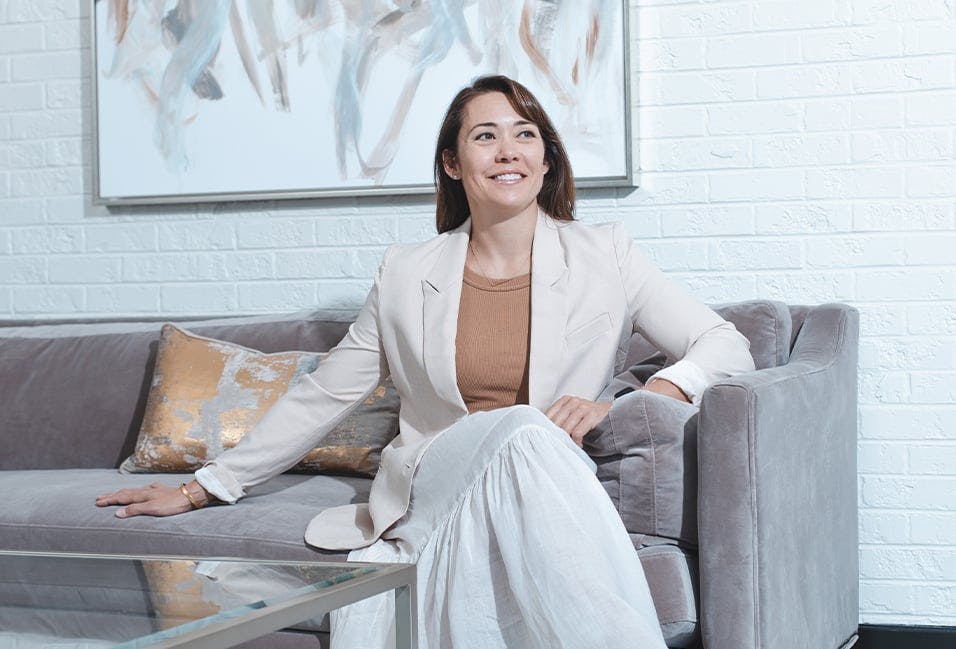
(450, 163)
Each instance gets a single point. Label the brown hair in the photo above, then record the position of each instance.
(557, 193)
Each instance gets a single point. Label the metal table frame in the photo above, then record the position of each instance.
(251, 622)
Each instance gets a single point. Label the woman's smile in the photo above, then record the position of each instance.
(508, 177)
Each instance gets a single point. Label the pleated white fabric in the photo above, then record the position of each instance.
(517, 545)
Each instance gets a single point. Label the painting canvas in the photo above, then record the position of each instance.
(221, 99)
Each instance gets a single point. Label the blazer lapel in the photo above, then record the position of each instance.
(441, 290)
(549, 313)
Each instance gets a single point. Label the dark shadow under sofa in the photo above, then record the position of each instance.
(746, 525)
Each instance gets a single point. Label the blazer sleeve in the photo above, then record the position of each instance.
(706, 346)
(307, 412)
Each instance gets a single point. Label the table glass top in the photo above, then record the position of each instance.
(90, 601)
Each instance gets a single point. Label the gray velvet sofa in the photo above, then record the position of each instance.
(745, 523)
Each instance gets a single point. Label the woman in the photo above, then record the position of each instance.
(513, 303)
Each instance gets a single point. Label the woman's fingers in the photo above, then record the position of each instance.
(577, 416)
(147, 508)
(125, 512)
(115, 498)
(125, 496)
(164, 506)
(590, 417)
(558, 406)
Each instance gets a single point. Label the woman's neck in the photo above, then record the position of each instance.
(502, 247)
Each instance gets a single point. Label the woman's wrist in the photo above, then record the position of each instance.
(665, 387)
(198, 496)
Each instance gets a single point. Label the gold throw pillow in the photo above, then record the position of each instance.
(206, 394)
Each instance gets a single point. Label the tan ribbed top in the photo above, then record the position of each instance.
(491, 346)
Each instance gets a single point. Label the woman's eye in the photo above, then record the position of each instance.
(527, 134)
(484, 136)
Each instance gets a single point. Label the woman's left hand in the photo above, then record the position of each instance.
(577, 416)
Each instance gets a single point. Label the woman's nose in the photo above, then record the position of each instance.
(506, 151)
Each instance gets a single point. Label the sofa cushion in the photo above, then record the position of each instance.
(672, 577)
(765, 323)
(646, 452)
(206, 394)
(53, 510)
(62, 383)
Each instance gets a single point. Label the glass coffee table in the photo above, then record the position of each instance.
(92, 601)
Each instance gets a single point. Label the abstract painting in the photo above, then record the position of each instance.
(249, 99)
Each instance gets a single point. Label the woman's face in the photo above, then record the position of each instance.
(500, 158)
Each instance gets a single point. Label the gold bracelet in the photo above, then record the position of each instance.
(189, 497)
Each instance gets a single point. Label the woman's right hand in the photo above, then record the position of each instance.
(154, 500)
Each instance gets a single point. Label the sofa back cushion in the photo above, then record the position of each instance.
(765, 323)
(73, 395)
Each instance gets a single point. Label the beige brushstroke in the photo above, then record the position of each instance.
(245, 54)
(135, 56)
(592, 38)
(538, 59)
(119, 14)
(151, 93)
(384, 152)
(271, 48)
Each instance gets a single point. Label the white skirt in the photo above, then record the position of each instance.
(517, 544)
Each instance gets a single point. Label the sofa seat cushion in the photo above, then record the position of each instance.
(53, 510)
(672, 577)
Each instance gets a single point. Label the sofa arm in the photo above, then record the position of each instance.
(777, 496)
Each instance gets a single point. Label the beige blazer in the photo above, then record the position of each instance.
(590, 290)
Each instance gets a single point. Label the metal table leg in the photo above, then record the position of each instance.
(405, 617)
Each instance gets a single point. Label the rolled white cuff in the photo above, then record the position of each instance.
(206, 476)
(687, 376)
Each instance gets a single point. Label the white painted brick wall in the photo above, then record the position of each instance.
(803, 150)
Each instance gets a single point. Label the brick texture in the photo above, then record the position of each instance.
(790, 149)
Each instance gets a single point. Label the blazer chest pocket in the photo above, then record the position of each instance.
(588, 331)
